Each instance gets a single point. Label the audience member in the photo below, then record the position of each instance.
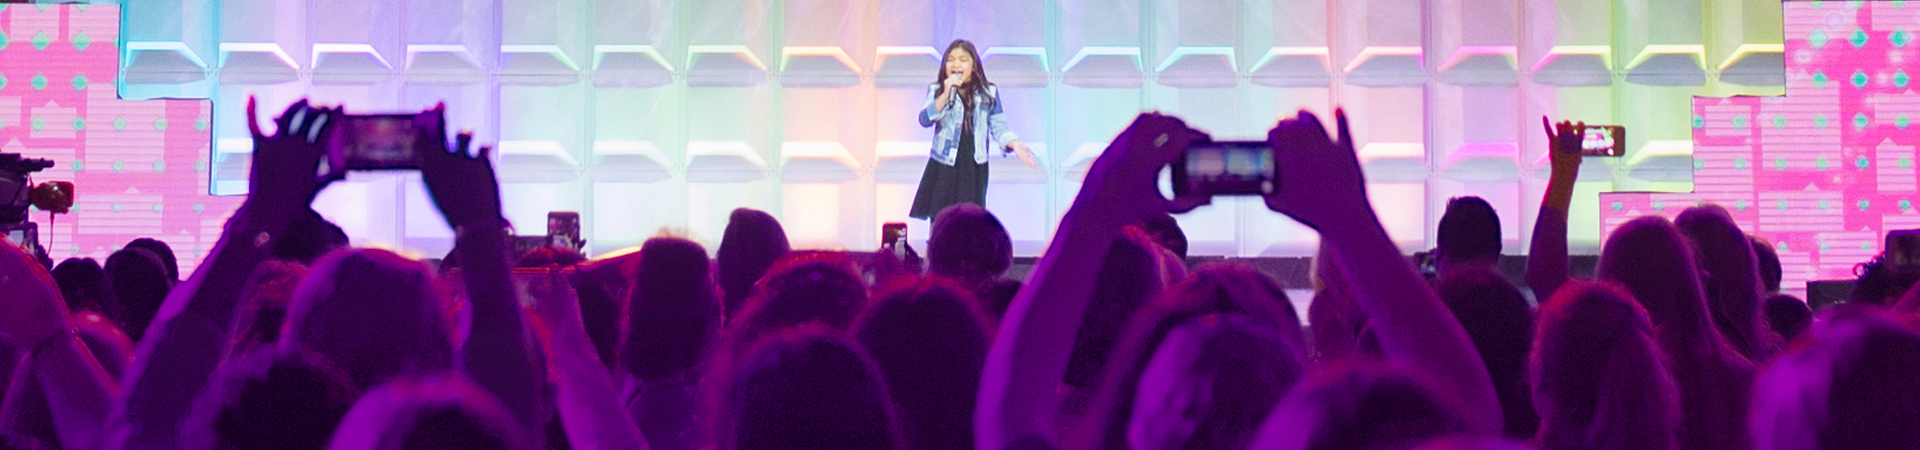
(1732, 279)
(264, 302)
(1599, 377)
(83, 284)
(140, 283)
(1856, 386)
(752, 243)
(1497, 318)
(672, 325)
(107, 344)
(309, 237)
(1788, 316)
(803, 288)
(273, 399)
(1362, 406)
(374, 313)
(808, 387)
(1655, 263)
(1268, 353)
(602, 286)
(434, 413)
(1468, 235)
(1337, 324)
(161, 250)
(968, 244)
(929, 340)
(1881, 283)
(1128, 277)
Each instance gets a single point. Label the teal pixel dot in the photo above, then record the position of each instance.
(1617, 206)
(1861, 162)
(1864, 205)
(1782, 205)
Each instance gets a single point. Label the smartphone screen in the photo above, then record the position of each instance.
(563, 229)
(1225, 168)
(892, 232)
(378, 142)
(1603, 140)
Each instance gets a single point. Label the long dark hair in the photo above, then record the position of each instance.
(975, 86)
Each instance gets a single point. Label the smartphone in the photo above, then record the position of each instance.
(377, 142)
(1902, 248)
(1603, 140)
(1225, 168)
(563, 230)
(892, 234)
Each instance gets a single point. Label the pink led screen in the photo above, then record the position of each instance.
(1824, 171)
(139, 167)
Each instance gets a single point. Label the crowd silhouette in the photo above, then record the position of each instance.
(285, 337)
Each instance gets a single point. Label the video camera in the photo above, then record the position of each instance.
(16, 196)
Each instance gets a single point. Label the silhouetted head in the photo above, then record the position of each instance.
(603, 286)
(968, 243)
(1497, 318)
(440, 412)
(373, 312)
(674, 313)
(308, 238)
(1129, 276)
(1275, 360)
(83, 284)
(140, 284)
(1856, 387)
(1655, 263)
(1210, 382)
(753, 241)
(1469, 234)
(161, 250)
(930, 342)
(1769, 260)
(262, 313)
(1361, 405)
(274, 399)
(1600, 379)
(1881, 283)
(804, 288)
(808, 387)
(1731, 278)
(1165, 229)
(1788, 315)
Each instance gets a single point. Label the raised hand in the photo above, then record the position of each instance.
(1563, 142)
(464, 187)
(1320, 180)
(1123, 183)
(284, 177)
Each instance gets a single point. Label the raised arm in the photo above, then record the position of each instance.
(77, 390)
(1547, 255)
(1322, 187)
(1029, 356)
(184, 346)
(497, 354)
(593, 416)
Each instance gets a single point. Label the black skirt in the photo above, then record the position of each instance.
(942, 185)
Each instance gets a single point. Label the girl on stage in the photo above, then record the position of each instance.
(964, 111)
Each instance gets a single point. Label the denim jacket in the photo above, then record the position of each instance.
(988, 122)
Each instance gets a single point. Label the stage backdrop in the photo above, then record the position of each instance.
(659, 113)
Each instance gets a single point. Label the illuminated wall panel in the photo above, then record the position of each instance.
(674, 112)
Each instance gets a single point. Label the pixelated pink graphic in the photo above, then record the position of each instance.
(139, 167)
(1826, 170)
